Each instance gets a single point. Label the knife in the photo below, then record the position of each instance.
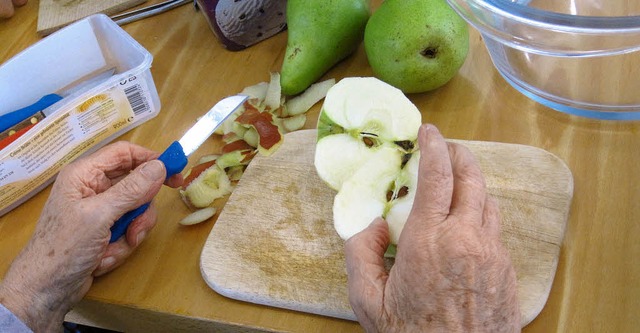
(175, 157)
(41, 107)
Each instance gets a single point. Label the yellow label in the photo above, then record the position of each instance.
(28, 164)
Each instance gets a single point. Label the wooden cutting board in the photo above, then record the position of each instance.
(274, 242)
(55, 14)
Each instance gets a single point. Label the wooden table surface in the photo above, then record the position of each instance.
(597, 285)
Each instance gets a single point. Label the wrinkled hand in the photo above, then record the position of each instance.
(70, 244)
(7, 7)
(451, 272)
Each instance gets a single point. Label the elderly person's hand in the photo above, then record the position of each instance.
(451, 272)
(7, 7)
(70, 244)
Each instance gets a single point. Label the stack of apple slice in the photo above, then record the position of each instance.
(257, 127)
(367, 151)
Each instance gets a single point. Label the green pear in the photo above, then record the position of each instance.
(416, 45)
(321, 33)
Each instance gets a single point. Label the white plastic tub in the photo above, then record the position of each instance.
(83, 120)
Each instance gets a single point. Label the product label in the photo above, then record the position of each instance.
(38, 155)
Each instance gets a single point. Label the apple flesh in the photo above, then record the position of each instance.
(359, 118)
(383, 187)
(366, 150)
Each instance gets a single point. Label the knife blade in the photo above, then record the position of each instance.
(175, 156)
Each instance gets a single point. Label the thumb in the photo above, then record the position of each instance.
(134, 190)
(366, 272)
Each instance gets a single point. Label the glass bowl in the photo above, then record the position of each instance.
(580, 57)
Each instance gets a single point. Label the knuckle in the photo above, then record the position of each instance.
(130, 190)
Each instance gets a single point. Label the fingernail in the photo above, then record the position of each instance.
(153, 169)
(107, 262)
(141, 236)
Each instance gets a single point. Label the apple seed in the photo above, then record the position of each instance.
(406, 145)
(405, 159)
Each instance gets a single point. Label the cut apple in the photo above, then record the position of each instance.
(359, 117)
(363, 196)
(366, 150)
(383, 187)
(401, 200)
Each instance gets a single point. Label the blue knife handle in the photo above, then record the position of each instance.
(174, 161)
(10, 119)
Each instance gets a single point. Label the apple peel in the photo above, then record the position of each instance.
(207, 158)
(256, 91)
(270, 137)
(209, 181)
(236, 145)
(211, 184)
(256, 127)
(198, 216)
(273, 97)
(196, 171)
(303, 102)
(294, 123)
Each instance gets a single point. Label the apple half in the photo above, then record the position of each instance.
(367, 151)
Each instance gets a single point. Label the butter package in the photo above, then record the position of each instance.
(120, 95)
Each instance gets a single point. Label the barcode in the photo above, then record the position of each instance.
(136, 99)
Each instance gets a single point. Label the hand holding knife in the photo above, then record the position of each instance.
(175, 156)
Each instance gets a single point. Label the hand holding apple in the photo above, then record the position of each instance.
(451, 272)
